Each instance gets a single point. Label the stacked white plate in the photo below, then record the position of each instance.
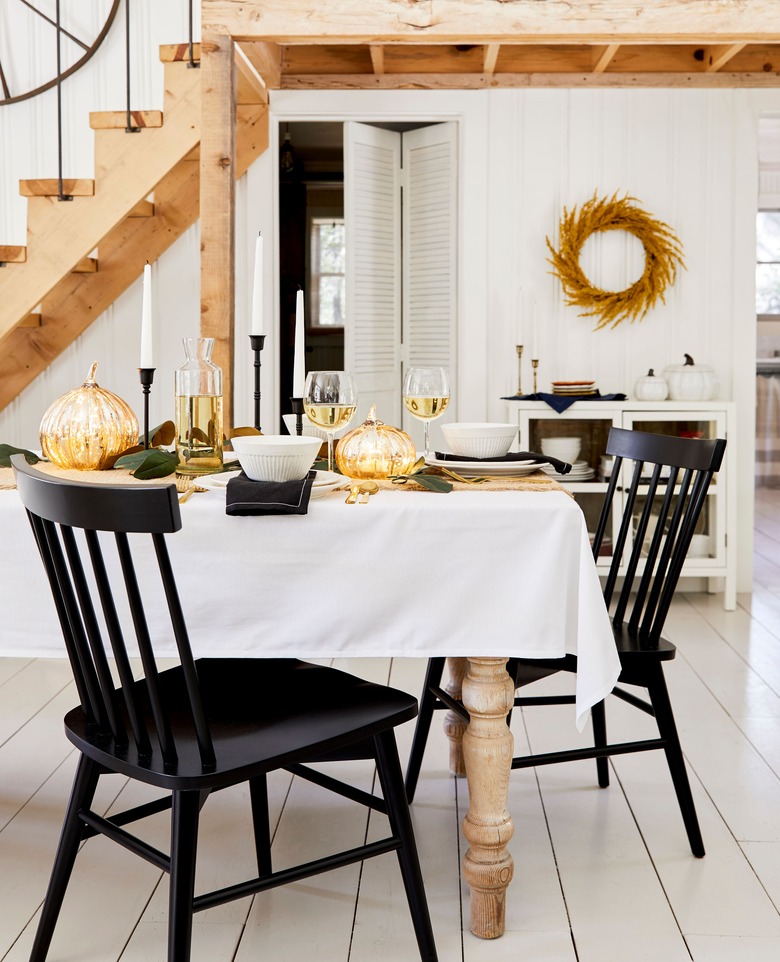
(572, 388)
(580, 471)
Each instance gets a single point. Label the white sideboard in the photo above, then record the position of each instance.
(713, 551)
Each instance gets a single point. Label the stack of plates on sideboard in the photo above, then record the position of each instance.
(580, 471)
(570, 388)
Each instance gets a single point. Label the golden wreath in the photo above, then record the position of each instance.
(663, 254)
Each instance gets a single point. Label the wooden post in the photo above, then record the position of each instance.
(488, 694)
(217, 205)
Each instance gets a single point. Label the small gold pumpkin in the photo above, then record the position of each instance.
(87, 427)
(375, 450)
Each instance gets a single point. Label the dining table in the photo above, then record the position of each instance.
(477, 575)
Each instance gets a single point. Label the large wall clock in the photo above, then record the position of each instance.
(31, 25)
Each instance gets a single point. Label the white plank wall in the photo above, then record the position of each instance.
(601, 875)
(689, 156)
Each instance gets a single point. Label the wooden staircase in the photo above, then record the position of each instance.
(83, 253)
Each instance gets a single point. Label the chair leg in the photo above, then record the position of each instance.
(598, 717)
(391, 779)
(659, 696)
(423, 726)
(258, 794)
(184, 842)
(82, 793)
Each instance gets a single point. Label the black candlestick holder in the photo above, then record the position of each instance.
(297, 410)
(146, 375)
(257, 343)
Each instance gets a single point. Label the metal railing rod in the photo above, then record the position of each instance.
(193, 63)
(61, 195)
(130, 128)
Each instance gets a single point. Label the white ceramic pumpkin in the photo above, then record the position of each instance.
(691, 382)
(651, 387)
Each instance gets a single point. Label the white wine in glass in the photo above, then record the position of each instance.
(330, 400)
(426, 395)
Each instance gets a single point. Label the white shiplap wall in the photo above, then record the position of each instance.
(689, 156)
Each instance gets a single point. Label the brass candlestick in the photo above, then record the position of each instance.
(534, 365)
(519, 369)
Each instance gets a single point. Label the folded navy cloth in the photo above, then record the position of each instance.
(245, 496)
(562, 467)
(560, 402)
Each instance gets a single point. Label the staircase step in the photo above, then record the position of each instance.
(50, 187)
(12, 255)
(144, 208)
(87, 265)
(169, 52)
(117, 119)
(32, 320)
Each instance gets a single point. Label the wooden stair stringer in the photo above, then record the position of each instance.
(127, 168)
(79, 299)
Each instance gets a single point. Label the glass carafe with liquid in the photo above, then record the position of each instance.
(198, 389)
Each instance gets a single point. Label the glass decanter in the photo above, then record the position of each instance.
(198, 390)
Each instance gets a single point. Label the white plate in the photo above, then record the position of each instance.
(487, 469)
(324, 482)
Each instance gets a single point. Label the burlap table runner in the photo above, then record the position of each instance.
(538, 481)
(115, 476)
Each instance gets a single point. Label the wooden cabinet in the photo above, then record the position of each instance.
(713, 551)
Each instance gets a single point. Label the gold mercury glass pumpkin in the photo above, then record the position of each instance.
(375, 450)
(87, 427)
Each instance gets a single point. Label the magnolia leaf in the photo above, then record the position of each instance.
(154, 463)
(163, 434)
(6, 450)
(244, 432)
(429, 481)
(157, 464)
(433, 483)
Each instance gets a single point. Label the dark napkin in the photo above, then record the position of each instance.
(245, 496)
(562, 467)
(559, 402)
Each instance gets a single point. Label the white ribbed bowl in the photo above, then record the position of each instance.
(310, 430)
(479, 440)
(276, 457)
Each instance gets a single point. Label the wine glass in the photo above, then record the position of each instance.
(426, 395)
(329, 400)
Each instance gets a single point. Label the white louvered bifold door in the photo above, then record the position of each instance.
(429, 256)
(372, 216)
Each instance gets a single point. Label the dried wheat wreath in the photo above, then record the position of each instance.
(663, 254)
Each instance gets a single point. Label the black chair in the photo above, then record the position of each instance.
(201, 726)
(660, 513)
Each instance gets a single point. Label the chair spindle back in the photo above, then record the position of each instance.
(92, 581)
(659, 519)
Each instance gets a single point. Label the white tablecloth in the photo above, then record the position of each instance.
(410, 574)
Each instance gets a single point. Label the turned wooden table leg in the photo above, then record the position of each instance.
(454, 725)
(488, 695)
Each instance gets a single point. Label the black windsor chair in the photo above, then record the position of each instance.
(659, 517)
(201, 726)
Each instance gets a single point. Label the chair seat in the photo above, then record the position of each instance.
(633, 654)
(262, 714)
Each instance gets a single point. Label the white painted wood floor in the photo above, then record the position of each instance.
(599, 874)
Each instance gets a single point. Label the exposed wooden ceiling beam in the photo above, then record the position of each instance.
(377, 58)
(266, 59)
(606, 57)
(490, 58)
(715, 57)
(471, 81)
(490, 21)
(250, 86)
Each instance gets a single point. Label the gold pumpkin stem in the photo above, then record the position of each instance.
(91, 376)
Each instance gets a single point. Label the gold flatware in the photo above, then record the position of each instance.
(187, 487)
(367, 488)
(354, 491)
